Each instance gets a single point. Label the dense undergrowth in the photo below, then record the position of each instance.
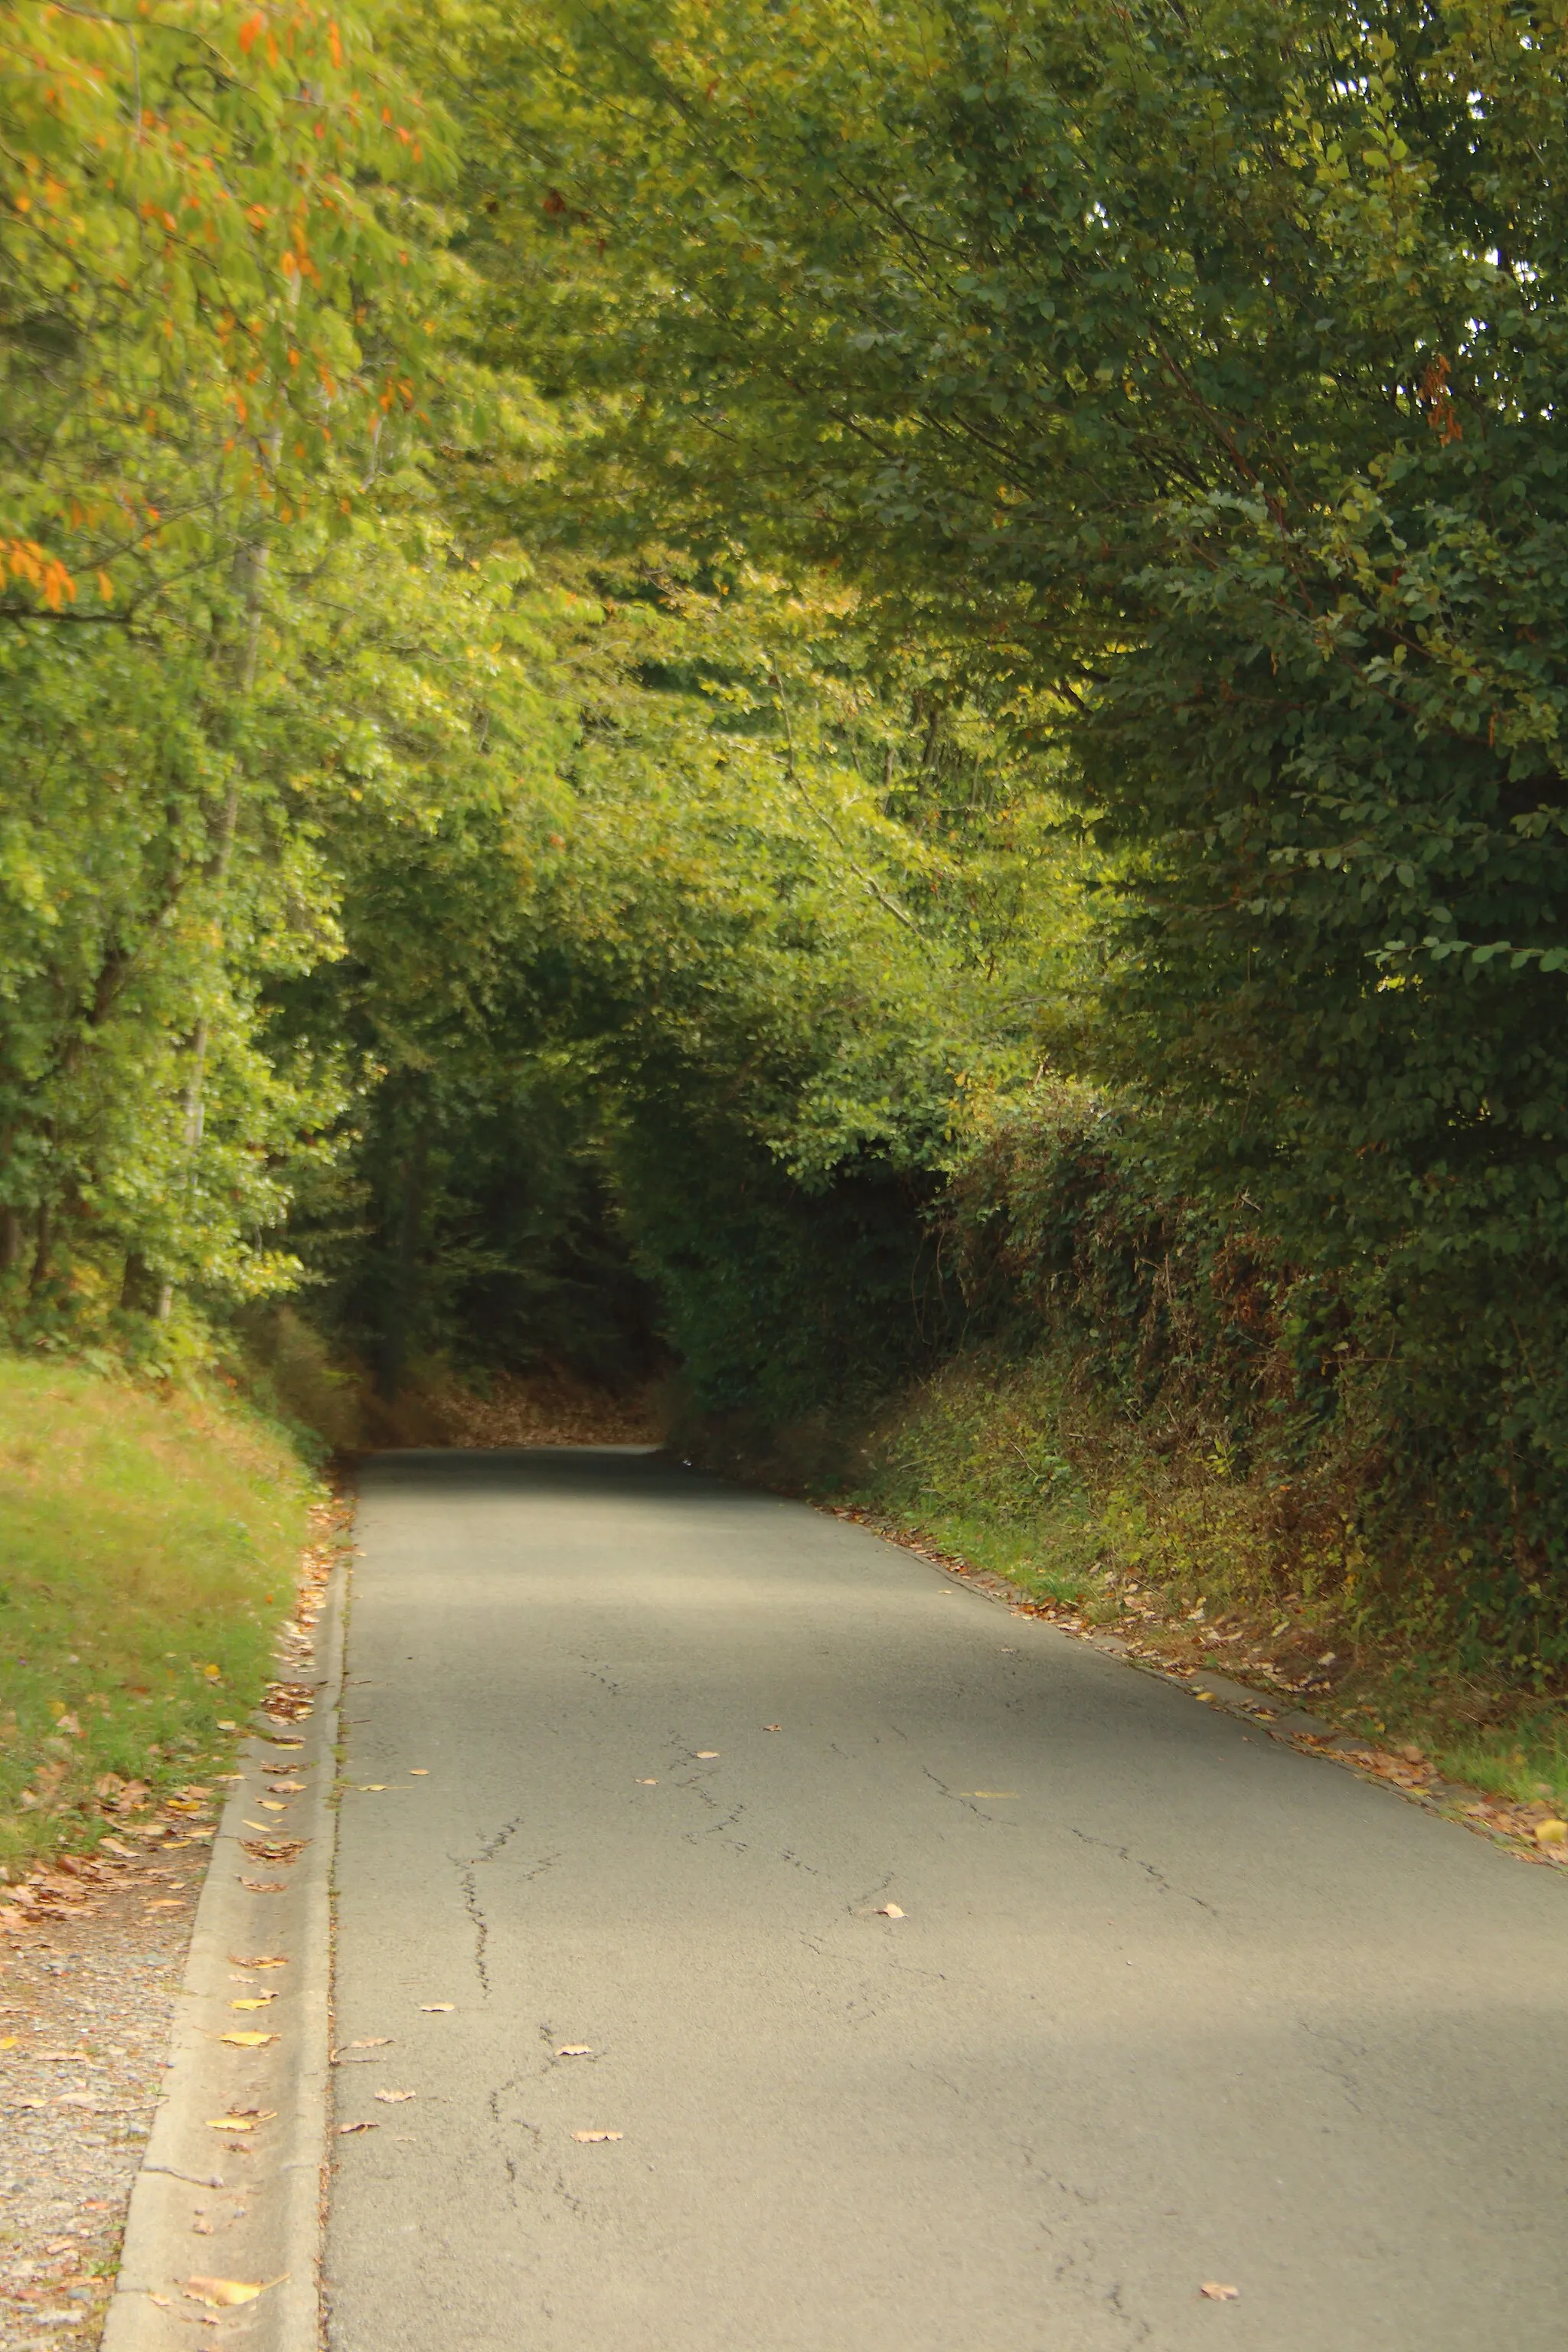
(1154, 1414)
(150, 1543)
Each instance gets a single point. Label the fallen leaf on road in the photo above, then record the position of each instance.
(392, 2098)
(647, 1784)
(372, 2041)
(246, 2120)
(265, 1885)
(370, 1787)
(575, 2050)
(165, 2302)
(273, 1742)
(345, 2129)
(706, 1755)
(996, 1792)
(253, 2000)
(260, 1959)
(773, 1727)
(591, 2136)
(268, 1806)
(1551, 1833)
(1218, 2293)
(223, 2294)
(419, 1771)
(438, 2008)
(287, 1788)
(248, 2040)
(889, 1911)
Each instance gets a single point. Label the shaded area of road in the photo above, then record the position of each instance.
(1168, 2005)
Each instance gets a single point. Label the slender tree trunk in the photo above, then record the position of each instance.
(45, 1230)
(251, 570)
(403, 1302)
(10, 1240)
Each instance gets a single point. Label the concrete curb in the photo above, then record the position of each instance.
(260, 2191)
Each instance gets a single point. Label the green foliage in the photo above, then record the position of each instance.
(603, 672)
(1196, 376)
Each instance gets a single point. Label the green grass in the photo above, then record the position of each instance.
(148, 1549)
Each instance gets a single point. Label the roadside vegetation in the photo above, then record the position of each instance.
(151, 1550)
(851, 713)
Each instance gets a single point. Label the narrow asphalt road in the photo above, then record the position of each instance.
(1168, 2004)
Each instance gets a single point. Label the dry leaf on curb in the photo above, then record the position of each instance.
(270, 1805)
(392, 2098)
(248, 2040)
(889, 1911)
(260, 1960)
(438, 2008)
(1218, 2293)
(707, 1754)
(163, 2302)
(575, 2050)
(370, 1787)
(345, 2130)
(223, 2294)
(253, 2000)
(371, 2042)
(246, 2120)
(265, 1885)
(1551, 1833)
(591, 2136)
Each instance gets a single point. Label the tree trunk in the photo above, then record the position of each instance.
(46, 1233)
(403, 1301)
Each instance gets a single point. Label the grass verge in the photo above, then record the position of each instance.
(1155, 1533)
(149, 1545)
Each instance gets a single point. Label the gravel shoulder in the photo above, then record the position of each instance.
(123, 1978)
(87, 1988)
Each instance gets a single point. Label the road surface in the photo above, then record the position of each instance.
(1169, 2004)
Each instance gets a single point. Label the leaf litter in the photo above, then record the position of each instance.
(224, 2294)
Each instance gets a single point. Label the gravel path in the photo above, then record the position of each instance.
(91, 1967)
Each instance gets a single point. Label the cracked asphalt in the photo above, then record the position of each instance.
(1169, 2004)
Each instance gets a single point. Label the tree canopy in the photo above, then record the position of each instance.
(623, 626)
